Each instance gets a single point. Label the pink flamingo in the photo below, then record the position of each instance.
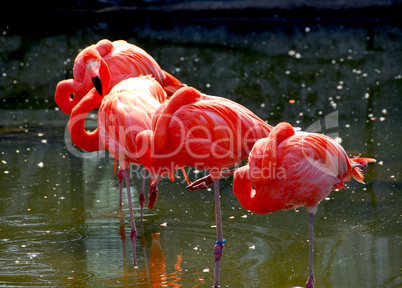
(290, 169)
(123, 113)
(119, 60)
(207, 132)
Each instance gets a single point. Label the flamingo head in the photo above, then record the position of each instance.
(92, 61)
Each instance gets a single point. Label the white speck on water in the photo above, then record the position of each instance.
(384, 111)
(366, 96)
(41, 165)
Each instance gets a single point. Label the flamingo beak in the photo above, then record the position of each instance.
(97, 84)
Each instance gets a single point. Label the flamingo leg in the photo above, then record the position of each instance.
(120, 176)
(218, 249)
(311, 212)
(142, 195)
(205, 181)
(133, 233)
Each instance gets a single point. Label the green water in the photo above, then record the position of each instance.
(59, 215)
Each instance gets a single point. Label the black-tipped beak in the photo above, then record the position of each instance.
(98, 85)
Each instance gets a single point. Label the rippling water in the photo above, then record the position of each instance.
(59, 216)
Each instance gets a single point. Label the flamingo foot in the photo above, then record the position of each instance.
(200, 184)
(205, 181)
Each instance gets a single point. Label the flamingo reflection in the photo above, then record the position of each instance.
(154, 274)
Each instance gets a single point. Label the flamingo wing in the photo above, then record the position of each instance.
(123, 114)
(215, 132)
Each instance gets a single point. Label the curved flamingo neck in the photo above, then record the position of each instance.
(89, 141)
(182, 97)
(242, 187)
(280, 132)
(104, 47)
(62, 96)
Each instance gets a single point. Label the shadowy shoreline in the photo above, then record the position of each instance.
(243, 15)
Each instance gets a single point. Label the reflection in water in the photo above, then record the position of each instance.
(157, 266)
(154, 273)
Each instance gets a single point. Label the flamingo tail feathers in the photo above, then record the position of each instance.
(357, 172)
